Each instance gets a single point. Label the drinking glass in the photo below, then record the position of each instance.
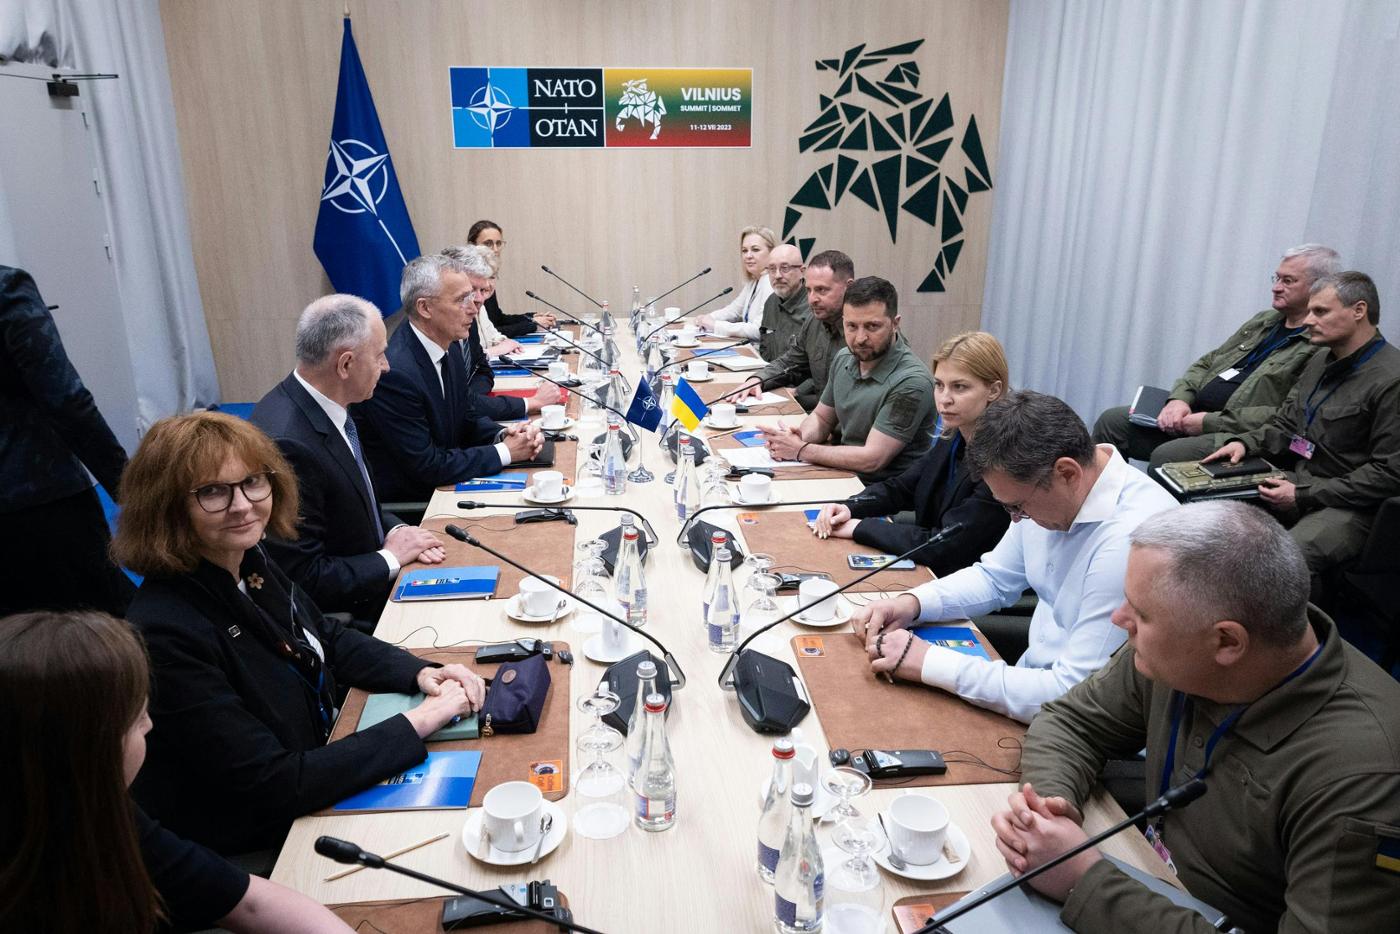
(601, 786)
(846, 784)
(590, 583)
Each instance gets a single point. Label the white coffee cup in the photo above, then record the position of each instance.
(559, 370)
(537, 598)
(673, 312)
(614, 636)
(549, 484)
(755, 488)
(690, 332)
(698, 369)
(553, 418)
(918, 826)
(510, 816)
(814, 588)
(724, 415)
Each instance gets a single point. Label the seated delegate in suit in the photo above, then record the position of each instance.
(247, 670)
(1083, 500)
(492, 340)
(346, 551)
(1228, 673)
(488, 234)
(77, 854)
(744, 316)
(969, 371)
(879, 396)
(421, 428)
(1239, 385)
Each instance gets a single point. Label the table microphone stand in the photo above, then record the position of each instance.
(580, 291)
(656, 298)
(564, 314)
(665, 324)
(647, 530)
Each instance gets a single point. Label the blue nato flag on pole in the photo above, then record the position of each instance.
(645, 410)
(364, 237)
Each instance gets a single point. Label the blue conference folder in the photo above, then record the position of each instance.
(443, 780)
(958, 638)
(438, 583)
(717, 352)
(749, 437)
(501, 481)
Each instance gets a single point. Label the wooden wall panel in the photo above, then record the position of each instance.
(255, 82)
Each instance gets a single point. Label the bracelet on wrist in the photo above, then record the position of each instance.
(801, 449)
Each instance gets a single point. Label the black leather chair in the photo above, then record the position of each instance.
(1368, 591)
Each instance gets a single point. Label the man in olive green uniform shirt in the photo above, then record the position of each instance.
(1237, 386)
(786, 309)
(1231, 676)
(1338, 435)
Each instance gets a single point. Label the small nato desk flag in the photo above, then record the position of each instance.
(687, 406)
(645, 410)
(364, 237)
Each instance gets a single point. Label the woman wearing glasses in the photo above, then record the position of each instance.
(488, 234)
(248, 672)
(742, 317)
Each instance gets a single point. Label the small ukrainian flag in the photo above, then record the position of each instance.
(687, 406)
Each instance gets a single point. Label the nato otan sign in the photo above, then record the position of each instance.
(589, 108)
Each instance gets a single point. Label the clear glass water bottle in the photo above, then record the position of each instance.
(719, 538)
(655, 359)
(617, 391)
(777, 811)
(797, 882)
(629, 580)
(607, 324)
(722, 611)
(636, 305)
(667, 395)
(655, 782)
(636, 722)
(614, 462)
(687, 484)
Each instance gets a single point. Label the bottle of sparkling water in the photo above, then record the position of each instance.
(630, 582)
(687, 484)
(719, 538)
(655, 782)
(636, 723)
(722, 613)
(777, 811)
(797, 882)
(614, 462)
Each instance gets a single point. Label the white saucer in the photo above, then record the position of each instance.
(697, 379)
(709, 423)
(774, 498)
(842, 615)
(677, 342)
(517, 613)
(471, 839)
(530, 497)
(569, 422)
(940, 868)
(593, 648)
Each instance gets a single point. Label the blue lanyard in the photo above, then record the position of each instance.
(953, 459)
(1267, 347)
(1309, 410)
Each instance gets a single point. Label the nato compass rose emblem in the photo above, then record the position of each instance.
(359, 178)
(491, 108)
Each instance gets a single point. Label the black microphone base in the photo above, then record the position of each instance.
(771, 699)
(621, 679)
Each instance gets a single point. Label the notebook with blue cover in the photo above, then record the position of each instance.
(439, 583)
(958, 638)
(508, 370)
(717, 352)
(443, 780)
(501, 481)
(749, 438)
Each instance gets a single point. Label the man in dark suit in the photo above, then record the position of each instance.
(350, 550)
(422, 428)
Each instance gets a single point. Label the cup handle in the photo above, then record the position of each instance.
(519, 828)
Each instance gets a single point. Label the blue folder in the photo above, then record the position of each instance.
(439, 583)
(958, 638)
(443, 780)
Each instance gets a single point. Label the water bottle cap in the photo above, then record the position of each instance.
(722, 555)
(613, 426)
(656, 703)
(719, 537)
(629, 533)
(783, 749)
(646, 668)
(802, 795)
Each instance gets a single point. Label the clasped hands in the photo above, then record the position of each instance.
(1176, 418)
(783, 441)
(893, 650)
(452, 691)
(1036, 829)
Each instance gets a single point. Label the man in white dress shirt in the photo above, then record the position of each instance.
(1083, 501)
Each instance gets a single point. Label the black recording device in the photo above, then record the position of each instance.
(738, 473)
(794, 581)
(883, 764)
(516, 651)
(526, 516)
(466, 911)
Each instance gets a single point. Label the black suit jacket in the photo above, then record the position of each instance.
(235, 754)
(924, 488)
(335, 559)
(410, 439)
(509, 325)
(481, 381)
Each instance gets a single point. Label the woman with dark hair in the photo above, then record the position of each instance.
(248, 672)
(488, 234)
(76, 853)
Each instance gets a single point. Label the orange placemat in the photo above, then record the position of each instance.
(548, 547)
(787, 537)
(861, 711)
(913, 912)
(805, 472)
(541, 757)
(421, 916)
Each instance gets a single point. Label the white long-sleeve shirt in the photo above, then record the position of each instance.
(1078, 577)
(743, 316)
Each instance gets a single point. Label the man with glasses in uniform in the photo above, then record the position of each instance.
(786, 309)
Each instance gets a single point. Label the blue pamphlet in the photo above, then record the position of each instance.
(958, 638)
(717, 352)
(811, 515)
(749, 438)
(530, 339)
(437, 583)
(508, 370)
(443, 780)
(501, 481)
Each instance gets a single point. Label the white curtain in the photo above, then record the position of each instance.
(139, 167)
(1155, 158)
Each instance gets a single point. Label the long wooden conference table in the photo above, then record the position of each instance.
(699, 875)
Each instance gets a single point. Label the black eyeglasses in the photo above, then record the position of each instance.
(217, 497)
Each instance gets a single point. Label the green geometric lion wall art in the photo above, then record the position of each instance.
(892, 160)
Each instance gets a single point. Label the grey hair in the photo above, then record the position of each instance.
(1322, 260)
(422, 278)
(1231, 561)
(1352, 287)
(465, 252)
(332, 323)
(1024, 433)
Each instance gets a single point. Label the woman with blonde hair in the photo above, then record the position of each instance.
(743, 316)
(969, 372)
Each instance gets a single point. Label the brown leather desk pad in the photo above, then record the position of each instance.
(504, 757)
(785, 535)
(548, 547)
(913, 912)
(860, 711)
(805, 472)
(709, 392)
(422, 916)
(689, 353)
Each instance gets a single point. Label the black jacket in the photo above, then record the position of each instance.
(49, 424)
(509, 325)
(335, 559)
(236, 753)
(924, 488)
(412, 440)
(481, 381)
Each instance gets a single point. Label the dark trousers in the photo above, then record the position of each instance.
(54, 557)
(1152, 444)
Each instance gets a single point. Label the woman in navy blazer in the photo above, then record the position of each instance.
(969, 371)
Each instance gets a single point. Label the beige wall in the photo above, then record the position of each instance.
(255, 83)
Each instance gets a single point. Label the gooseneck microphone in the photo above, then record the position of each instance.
(1174, 799)
(343, 851)
(700, 353)
(462, 535)
(647, 530)
(572, 286)
(657, 298)
(663, 325)
(579, 347)
(636, 439)
(685, 526)
(561, 311)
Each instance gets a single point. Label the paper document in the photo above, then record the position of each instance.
(739, 363)
(755, 457)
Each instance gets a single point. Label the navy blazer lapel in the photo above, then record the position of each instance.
(335, 445)
(428, 381)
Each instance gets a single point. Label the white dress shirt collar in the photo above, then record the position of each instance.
(1102, 501)
(334, 410)
(435, 353)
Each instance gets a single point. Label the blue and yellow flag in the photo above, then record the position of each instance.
(687, 406)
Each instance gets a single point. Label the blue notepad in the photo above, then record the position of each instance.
(443, 780)
(749, 438)
(501, 481)
(437, 583)
(958, 638)
(509, 370)
(717, 352)
(530, 339)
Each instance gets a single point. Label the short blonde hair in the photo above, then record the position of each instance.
(980, 354)
(154, 532)
(766, 235)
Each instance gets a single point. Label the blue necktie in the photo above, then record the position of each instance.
(353, 436)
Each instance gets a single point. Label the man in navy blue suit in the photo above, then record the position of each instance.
(422, 428)
(349, 550)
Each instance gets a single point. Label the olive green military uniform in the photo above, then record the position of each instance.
(896, 399)
(1253, 402)
(807, 363)
(782, 321)
(1303, 804)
